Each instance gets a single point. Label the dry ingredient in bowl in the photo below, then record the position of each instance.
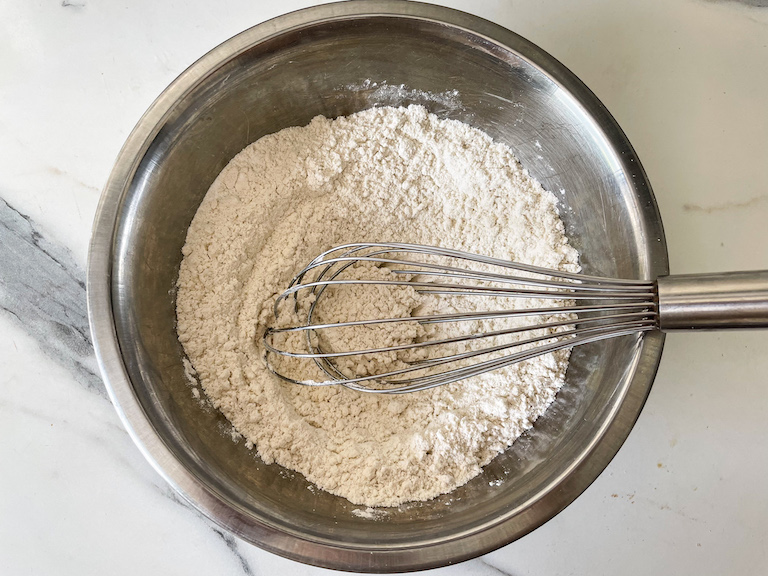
(384, 174)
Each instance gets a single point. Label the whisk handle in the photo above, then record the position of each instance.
(713, 301)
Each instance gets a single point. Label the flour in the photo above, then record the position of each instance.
(349, 303)
(384, 174)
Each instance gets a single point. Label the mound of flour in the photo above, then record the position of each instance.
(386, 175)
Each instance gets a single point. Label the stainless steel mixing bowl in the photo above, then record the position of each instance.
(334, 60)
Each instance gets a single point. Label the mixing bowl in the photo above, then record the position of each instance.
(334, 60)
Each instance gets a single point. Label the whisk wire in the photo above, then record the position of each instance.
(615, 307)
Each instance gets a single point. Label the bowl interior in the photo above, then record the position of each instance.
(337, 67)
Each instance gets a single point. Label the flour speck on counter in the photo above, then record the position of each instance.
(381, 175)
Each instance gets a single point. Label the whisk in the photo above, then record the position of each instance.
(582, 309)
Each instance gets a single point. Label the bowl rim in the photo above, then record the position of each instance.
(490, 536)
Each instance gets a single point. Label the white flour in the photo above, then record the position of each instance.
(385, 174)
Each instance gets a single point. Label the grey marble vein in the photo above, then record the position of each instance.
(232, 545)
(495, 569)
(43, 289)
(228, 539)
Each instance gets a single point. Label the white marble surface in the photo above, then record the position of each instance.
(688, 82)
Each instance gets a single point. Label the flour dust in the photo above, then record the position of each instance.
(381, 175)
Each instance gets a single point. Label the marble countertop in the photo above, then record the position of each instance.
(687, 81)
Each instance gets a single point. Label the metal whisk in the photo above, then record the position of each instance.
(585, 309)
